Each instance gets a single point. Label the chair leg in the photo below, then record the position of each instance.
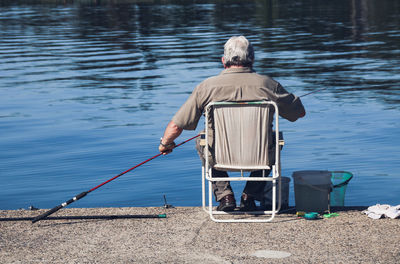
(276, 182)
(210, 205)
(203, 188)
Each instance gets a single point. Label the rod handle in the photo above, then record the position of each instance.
(58, 207)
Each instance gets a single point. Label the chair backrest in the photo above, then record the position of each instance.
(242, 134)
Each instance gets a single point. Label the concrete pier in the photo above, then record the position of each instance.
(187, 235)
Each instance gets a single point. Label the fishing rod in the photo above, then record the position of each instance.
(83, 217)
(83, 194)
(316, 91)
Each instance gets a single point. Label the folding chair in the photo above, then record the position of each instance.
(240, 138)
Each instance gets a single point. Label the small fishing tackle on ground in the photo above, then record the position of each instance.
(165, 203)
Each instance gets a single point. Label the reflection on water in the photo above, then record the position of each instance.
(88, 87)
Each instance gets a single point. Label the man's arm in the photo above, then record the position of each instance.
(290, 106)
(167, 141)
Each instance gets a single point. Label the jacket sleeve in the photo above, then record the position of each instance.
(289, 105)
(190, 112)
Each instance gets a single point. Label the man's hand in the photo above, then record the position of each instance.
(166, 148)
(303, 114)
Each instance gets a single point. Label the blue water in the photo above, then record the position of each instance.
(87, 89)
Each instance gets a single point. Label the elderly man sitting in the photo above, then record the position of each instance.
(237, 82)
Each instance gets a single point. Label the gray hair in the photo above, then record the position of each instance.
(238, 51)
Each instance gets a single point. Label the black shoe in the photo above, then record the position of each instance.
(247, 203)
(227, 203)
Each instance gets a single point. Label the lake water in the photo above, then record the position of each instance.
(87, 88)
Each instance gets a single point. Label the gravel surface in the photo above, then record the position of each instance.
(187, 235)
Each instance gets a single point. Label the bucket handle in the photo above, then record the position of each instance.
(342, 183)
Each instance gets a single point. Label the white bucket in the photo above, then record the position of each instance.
(266, 202)
(311, 190)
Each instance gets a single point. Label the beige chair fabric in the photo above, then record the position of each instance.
(242, 136)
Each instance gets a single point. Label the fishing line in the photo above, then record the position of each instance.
(83, 194)
(316, 91)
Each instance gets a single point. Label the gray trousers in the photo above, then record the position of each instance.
(223, 188)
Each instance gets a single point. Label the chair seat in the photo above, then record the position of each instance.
(240, 168)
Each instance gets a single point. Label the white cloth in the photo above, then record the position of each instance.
(383, 210)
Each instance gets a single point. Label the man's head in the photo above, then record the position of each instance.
(238, 51)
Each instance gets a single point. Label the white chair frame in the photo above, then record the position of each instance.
(275, 179)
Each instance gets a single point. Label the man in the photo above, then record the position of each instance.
(237, 82)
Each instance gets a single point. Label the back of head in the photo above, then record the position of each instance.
(238, 51)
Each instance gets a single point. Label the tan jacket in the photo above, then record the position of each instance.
(237, 84)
